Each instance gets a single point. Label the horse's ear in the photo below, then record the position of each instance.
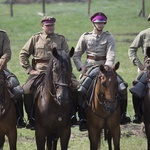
(101, 67)
(117, 65)
(54, 52)
(71, 52)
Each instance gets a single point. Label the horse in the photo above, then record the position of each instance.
(8, 119)
(103, 111)
(53, 103)
(146, 107)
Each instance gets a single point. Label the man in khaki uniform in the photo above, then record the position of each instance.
(13, 83)
(100, 48)
(39, 46)
(142, 40)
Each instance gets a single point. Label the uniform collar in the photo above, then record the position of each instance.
(97, 35)
(47, 36)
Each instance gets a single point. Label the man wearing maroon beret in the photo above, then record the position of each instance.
(39, 47)
(99, 46)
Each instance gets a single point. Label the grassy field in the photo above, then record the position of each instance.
(73, 20)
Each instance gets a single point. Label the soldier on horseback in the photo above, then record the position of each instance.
(100, 48)
(39, 46)
(12, 81)
(142, 40)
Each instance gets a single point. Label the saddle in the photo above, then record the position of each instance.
(37, 84)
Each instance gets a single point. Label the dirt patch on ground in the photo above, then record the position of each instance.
(133, 129)
(127, 130)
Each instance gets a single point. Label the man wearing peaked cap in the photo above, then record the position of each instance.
(13, 82)
(99, 46)
(99, 17)
(48, 20)
(39, 46)
(141, 41)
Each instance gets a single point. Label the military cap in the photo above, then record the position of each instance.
(99, 17)
(148, 18)
(46, 20)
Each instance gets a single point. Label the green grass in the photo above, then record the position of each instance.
(72, 21)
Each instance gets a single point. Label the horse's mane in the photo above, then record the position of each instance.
(48, 76)
(65, 62)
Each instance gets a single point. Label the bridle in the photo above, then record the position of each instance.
(57, 83)
(102, 100)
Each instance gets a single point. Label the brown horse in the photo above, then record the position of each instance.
(53, 105)
(104, 109)
(8, 119)
(146, 107)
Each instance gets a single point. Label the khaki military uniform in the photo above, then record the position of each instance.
(100, 49)
(141, 40)
(40, 46)
(5, 50)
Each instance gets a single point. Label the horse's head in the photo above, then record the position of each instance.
(108, 87)
(61, 75)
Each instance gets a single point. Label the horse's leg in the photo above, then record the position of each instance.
(2, 140)
(12, 138)
(64, 137)
(115, 132)
(52, 142)
(94, 137)
(40, 139)
(147, 130)
(109, 138)
(49, 142)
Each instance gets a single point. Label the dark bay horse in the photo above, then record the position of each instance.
(104, 109)
(146, 108)
(8, 119)
(53, 105)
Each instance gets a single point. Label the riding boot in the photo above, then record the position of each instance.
(123, 105)
(20, 113)
(82, 119)
(137, 109)
(74, 108)
(81, 113)
(29, 107)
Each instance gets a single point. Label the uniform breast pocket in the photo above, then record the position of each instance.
(103, 44)
(40, 50)
(91, 44)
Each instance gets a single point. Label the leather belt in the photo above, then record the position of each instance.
(41, 61)
(96, 58)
